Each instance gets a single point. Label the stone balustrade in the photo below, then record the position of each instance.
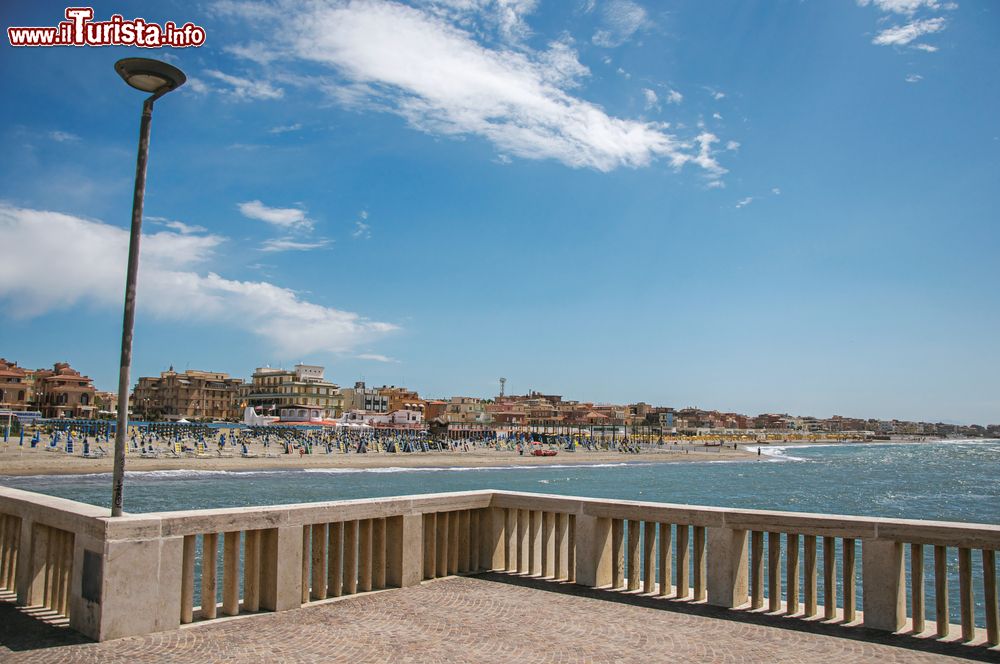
(144, 573)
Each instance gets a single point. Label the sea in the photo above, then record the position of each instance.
(955, 480)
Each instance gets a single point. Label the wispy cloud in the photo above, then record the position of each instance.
(900, 35)
(914, 78)
(674, 97)
(291, 244)
(172, 288)
(652, 101)
(284, 129)
(776, 191)
(289, 218)
(179, 226)
(245, 89)
(63, 136)
(362, 231)
(620, 19)
(375, 357)
(745, 202)
(445, 78)
(907, 7)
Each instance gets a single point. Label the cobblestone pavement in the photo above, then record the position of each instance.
(487, 619)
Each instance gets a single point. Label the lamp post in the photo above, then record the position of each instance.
(157, 78)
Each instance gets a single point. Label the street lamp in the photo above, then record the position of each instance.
(158, 78)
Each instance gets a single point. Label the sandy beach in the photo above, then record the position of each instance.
(40, 462)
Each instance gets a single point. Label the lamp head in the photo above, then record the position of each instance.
(150, 75)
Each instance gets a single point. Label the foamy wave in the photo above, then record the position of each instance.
(780, 452)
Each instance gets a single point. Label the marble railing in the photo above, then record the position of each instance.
(144, 573)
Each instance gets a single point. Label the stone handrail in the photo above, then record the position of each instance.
(141, 573)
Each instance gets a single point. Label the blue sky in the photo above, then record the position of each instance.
(755, 206)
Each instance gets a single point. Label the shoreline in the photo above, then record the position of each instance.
(52, 463)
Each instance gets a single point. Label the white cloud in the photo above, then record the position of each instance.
(745, 202)
(196, 86)
(442, 81)
(284, 129)
(257, 52)
(375, 357)
(927, 48)
(170, 288)
(362, 231)
(732, 146)
(63, 136)
(716, 116)
(652, 101)
(246, 89)
(775, 191)
(900, 35)
(620, 19)
(294, 218)
(179, 226)
(674, 97)
(900, 6)
(914, 78)
(622, 72)
(291, 244)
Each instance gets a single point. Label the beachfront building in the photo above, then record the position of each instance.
(368, 399)
(63, 392)
(107, 404)
(397, 419)
(192, 395)
(16, 386)
(401, 398)
(302, 386)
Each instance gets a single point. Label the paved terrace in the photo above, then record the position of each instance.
(485, 618)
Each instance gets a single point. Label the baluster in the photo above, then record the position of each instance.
(633, 555)
(365, 555)
(453, 532)
(990, 597)
(700, 563)
(756, 569)
(648, 557)
(67, 572)
(430, 545)
(941, 591)
(562, 545)
(335, 565)
(792, 574)
(774, 572)
(209, 551)
(475, 541)
(916, 586)
(443, 519)
(523, 549)
(965, 594)
(306, 561)
(251, 570)
(510, 546)
(187, 579)
(378, 553)
(571, 551)
(320, 542)
(829, 578)
(535, 543)
(810, 574)
(549, 545)
(462, 564)
(851, 580)
(666, 551)
(231, 573)
(617, 553)
(350, 557)
(683, 561)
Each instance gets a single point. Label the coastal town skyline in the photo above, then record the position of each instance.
(789, 211)
(212, 395)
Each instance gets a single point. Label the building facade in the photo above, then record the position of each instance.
(369, 399)
(16, 386)
(302, 386)
(192, 395)
(63, 392)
